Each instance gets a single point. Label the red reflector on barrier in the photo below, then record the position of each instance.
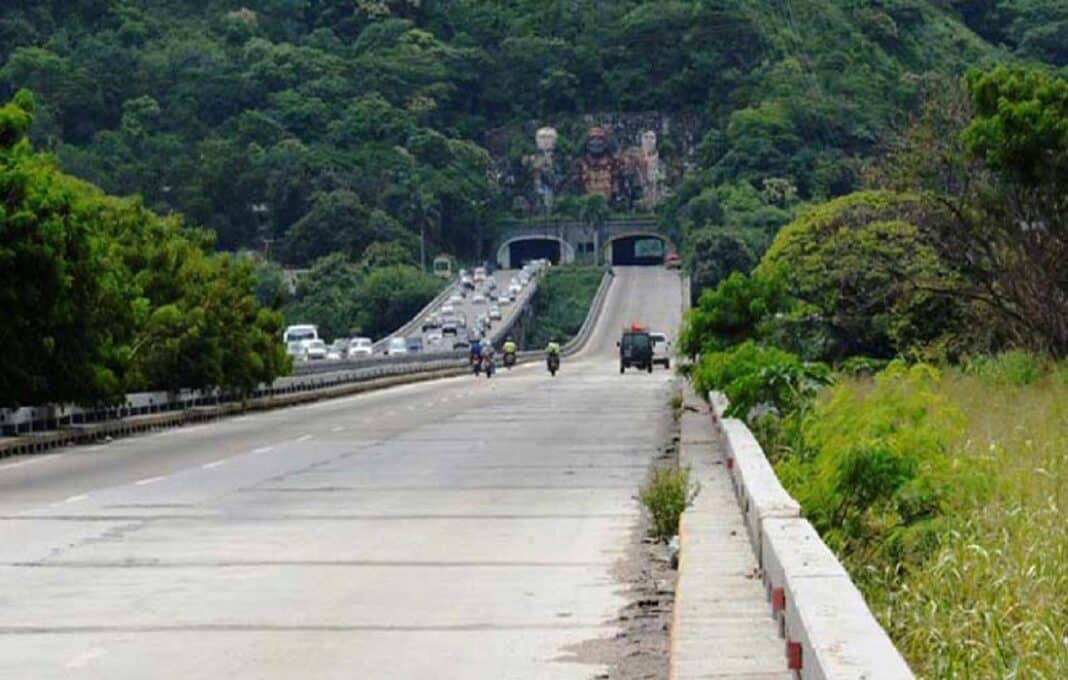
(793, 655)
(778, 600)
(730, 462)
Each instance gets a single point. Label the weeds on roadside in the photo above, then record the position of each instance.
(666, 495)
(676, 406)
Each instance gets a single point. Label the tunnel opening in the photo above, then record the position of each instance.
(642, 249)
(523, 250)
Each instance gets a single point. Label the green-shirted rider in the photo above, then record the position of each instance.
(552, 357)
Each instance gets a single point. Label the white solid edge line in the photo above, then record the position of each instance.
(208, 466)
(149, 480)
(263, 449)
(31, 461)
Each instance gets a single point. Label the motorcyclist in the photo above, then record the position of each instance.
(552, 357)
(488, 364)
(476, 352)
(509, 348)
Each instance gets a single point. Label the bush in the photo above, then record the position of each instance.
(666, 495)
(1017, 368)
(873, 467)
(752, 376)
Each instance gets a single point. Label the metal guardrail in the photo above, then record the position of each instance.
(406, 330)
(311, 377)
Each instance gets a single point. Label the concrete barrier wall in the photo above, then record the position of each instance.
(830, 633)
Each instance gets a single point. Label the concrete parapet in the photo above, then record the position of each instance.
(759, 491)
(830, 633)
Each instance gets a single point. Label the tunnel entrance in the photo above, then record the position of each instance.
(641, 249)
(518, 251)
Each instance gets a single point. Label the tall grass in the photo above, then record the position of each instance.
(986, 595)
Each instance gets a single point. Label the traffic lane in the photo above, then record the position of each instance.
(72, 472)
(472, 311)
(366, 652)
(650, 296)
(412, 575)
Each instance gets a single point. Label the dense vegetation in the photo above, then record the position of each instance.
(329, 125)
(942, 489)
(373, 297)
(561, 304)
(101, 296)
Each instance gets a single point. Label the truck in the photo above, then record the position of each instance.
(635, 349)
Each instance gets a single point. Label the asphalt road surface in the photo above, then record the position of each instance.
(463, 528)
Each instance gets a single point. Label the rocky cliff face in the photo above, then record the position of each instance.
(631, 160)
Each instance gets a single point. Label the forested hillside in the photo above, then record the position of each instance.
(326, 126)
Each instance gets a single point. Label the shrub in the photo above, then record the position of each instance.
(874, 467)
(753, 376)
(1015, 367)
(666, 495)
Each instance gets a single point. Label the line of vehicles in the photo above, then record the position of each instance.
(448, 328)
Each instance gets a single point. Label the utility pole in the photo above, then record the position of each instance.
(422, 245)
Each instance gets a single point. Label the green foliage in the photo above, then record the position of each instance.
(666, 496)
(873, 466)
(104, 297)
(860, 263)
(1013, 368)
(942, 492)
(731, 312)
(562, 303)
(219, 111)
(371, 298)
(1021, 125)
(755, 377)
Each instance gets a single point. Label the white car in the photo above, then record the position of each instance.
(314, 349)
(478, 299)
(361, 347)
(661, 349)
(447, 308)
(295, 349)
(456, 299)
(514, 289)
(397, 346)
(495, 313)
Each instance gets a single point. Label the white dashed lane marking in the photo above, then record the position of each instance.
(208, 466)
(149, 480)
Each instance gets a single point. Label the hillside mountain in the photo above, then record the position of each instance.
(329, 125)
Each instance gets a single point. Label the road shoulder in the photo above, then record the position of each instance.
(723, 626)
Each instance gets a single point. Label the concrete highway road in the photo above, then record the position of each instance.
(472, 311)
(463, 528)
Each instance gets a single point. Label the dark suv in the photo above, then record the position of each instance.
(636, 349)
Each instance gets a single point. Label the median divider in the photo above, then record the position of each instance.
(830, 633)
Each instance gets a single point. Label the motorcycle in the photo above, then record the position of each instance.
(488, 366)
(509, 360)
(553, 363)
(476, 364)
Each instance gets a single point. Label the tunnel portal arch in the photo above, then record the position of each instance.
(638, 248)
(516, 251)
